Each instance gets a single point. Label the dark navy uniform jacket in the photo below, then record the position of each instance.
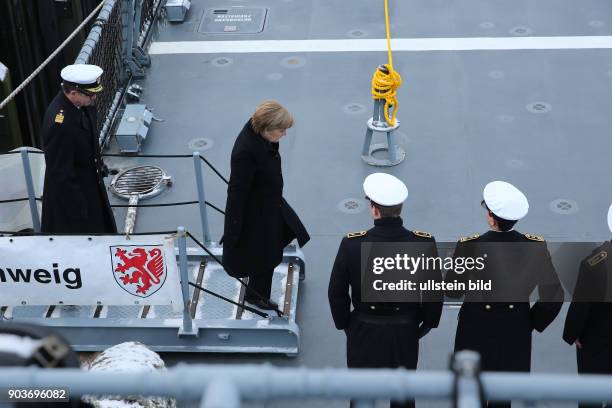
(74, 195)
(499, 323)
(589, 320)
(378, 335)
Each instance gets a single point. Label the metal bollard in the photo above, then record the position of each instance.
(27, 173)
(378, 123)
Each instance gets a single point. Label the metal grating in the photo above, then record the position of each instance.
(138, 180)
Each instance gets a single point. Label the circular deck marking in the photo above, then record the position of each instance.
(293, 62)
(487, 25)
(351, 205)
(563, 206)
(357, 33)
(200, 144)
(520, 31)
(505, 118)
(539, 107)
(515, 163)
(497, 74)
(274, 76)
(353, 108)
(222, 62)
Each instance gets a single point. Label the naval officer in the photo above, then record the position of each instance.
(380, 335)
(498, 323)
(588, 324)
(74, 195)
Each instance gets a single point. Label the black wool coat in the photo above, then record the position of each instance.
(74, 195)
(589, 318)
(259, 223)
(499, 324)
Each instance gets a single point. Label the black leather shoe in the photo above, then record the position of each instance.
(265, 304)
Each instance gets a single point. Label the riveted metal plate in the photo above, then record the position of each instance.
(233, 20)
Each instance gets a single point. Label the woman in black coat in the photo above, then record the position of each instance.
(259, 223)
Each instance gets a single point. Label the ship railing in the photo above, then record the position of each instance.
(227, 386)
(117, 42)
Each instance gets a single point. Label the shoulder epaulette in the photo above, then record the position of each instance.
(534, 237)
(422, 234)
(356, 234)
(471, 237)
(597, 258)
(59, 118)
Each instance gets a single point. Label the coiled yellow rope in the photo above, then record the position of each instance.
(385, 85)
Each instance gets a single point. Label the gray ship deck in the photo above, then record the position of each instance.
(467, 117)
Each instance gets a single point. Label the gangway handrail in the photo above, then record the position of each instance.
(264, 382)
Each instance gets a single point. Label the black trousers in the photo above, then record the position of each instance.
(383, 342)
(259, 284)
(595, 357)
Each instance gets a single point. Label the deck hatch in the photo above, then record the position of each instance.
(233, 20)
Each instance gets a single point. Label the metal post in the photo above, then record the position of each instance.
(201, 196)
(466, 365)
(188, 328)
(27, 173)
(221, 393)
(364, 404)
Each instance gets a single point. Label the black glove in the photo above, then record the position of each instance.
(104, 170)
(423, 330)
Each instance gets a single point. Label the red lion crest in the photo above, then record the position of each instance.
(146, 267)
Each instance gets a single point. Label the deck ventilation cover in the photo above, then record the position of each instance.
(233, 20)
(146, 181)
(136, 183)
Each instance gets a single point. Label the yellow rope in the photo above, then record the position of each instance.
(384, 86)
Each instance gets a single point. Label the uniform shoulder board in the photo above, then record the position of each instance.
(534, 237)
(597, 258)
(422, 234)
(59, 118)
(356, 234)
(470, 238)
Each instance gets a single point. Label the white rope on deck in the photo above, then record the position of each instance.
(50, 57)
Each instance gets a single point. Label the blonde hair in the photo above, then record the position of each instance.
(271, 115)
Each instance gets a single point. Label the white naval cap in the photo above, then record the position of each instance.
(84, 76)
(385, 189)
(505, 201)
(610, 218)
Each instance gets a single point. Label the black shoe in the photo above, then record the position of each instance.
(265, 304)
